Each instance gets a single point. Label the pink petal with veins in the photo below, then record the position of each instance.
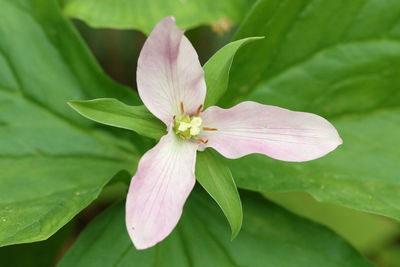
(169, 72)
(250, 127)
(159, 189)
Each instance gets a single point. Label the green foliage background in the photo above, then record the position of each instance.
(339, 59)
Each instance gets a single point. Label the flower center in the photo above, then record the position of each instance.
(187, 127)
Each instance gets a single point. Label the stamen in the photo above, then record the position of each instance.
(199, 110)
(173, 118)
(202, 141)
(210, 129)
(182, 108)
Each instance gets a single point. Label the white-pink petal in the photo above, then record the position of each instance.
(282, 134)
(159, 189)
(169, 72)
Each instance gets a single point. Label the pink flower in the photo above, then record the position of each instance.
(171, 84)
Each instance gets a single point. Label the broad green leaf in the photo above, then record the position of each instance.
(143, 14)
(344, 67)
(271, 236)
(217, 180)
(39, 254)
(216, 70)
(112, 112)
(300, 31)
(367, 232)
(53, 162)
(389, 256)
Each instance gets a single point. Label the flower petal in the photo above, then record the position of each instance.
(159, 189)
(282, 134)
(169, 72)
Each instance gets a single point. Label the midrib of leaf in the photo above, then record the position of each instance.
(203, 205)
(71, 123)
(287, 30)
(220, 190)
(270, 21)
(266, 77)
(318, 50)
(42, 27)
(324, 50)
(101, 138)
(122, 256)
(342, 115)
(186, 251)
(218, 244)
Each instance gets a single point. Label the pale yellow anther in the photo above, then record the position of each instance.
(195, 124)
(194, 130)
(196, 121)
(183, 126)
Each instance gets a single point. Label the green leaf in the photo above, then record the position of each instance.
(389, 256)
(53, 162)
(368, 233)
(39, 254)
(143, 15)
(115, 113)
(299, 31)
(270, 236)
(347, 69)
(216, 70)
(217, 180)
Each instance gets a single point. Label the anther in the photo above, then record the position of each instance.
(182, 108)
(202, 141)
(210, 129)
(173, 118)
(199, 110)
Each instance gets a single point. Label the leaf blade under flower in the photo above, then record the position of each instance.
(53, 163)
(216, 178)
(112, 112)
(269, 235)
(344, 68)
(216, 70)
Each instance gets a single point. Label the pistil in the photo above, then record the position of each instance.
(189, 126)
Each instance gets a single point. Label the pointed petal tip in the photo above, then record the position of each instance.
(172, 18)
(168, 19)
(140, 240)
(279, 133)
(340, 141)
(142, 245)
(169, 71)
(137, 247)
